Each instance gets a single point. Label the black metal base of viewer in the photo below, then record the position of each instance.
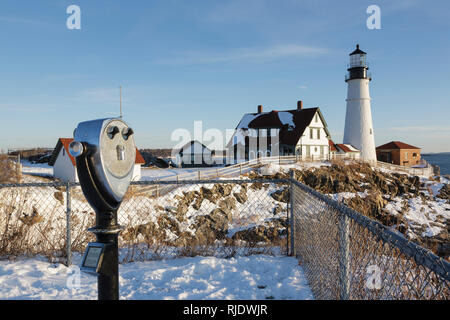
(108, 278)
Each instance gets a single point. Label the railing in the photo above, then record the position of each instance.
(426, 171)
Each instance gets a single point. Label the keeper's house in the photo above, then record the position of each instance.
(64, 165)
(302, 132)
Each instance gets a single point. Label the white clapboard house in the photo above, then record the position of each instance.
(64, 165)
(302, 132)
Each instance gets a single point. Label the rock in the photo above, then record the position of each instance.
(241, 196)
(269, 232)
(256, 186)
(197, 203)
(212, 226)
(209, 194)
(282, 195)
(224, 190)
(277, 209)
(444, 192)
(228, 205)
(59, 196)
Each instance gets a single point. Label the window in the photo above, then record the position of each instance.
(370, 131)
(64, 152)
(315, 149)
(311, 133)
(414, 155)
(317, 117)
(406, 154)
(318, 133)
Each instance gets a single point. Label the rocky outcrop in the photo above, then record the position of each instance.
(444, 192)
(271, 232)
(373, 190)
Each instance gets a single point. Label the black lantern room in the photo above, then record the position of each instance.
(358, 65)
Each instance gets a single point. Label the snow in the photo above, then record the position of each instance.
(37, 169)
(286, 118)
(246, 119)
(157, 173)
(252, 277)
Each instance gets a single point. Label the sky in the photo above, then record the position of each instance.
(214, 60)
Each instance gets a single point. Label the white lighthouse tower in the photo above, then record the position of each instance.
(358, 119)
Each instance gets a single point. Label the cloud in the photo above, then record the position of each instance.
(272, 53)
(303, 87)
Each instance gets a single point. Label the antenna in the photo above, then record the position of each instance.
(120, 102)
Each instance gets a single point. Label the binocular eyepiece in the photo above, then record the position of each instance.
(105, 154)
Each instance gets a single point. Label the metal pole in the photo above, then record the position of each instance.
(107, 231)
(291, 219)
(344, 258)
(68, 225)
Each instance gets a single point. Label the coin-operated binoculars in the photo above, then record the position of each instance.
(105, 154)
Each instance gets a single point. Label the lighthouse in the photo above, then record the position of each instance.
(358, 119)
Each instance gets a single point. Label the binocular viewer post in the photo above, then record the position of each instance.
(105, 155)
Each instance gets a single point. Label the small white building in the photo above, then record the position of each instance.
(64, 165)
(194, 154)
(348, 151)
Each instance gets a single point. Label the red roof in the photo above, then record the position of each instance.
(396, 145)
(346, 148)
(332, 145)
(64, 143)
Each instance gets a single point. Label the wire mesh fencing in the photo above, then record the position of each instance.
(346, 255)
(159, 219)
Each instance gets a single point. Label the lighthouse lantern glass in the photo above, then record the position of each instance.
(358, 60)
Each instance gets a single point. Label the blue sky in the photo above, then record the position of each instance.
(182, 61)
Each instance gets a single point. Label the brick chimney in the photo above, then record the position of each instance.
(260, 109)
(299, 105)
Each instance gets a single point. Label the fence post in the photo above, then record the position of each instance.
(68, 225)
(344, 256)
(199, 175)
(157, 191)
(291, 218)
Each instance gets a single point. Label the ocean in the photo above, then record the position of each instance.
(440, 159)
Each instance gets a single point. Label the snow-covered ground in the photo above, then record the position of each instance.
(44, 170)
(158, 173)
(37, 169)
(253, 277)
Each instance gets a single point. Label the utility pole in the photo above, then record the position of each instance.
(120, 102)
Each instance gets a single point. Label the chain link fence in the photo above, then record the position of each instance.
(160, 219)
(344, 254)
